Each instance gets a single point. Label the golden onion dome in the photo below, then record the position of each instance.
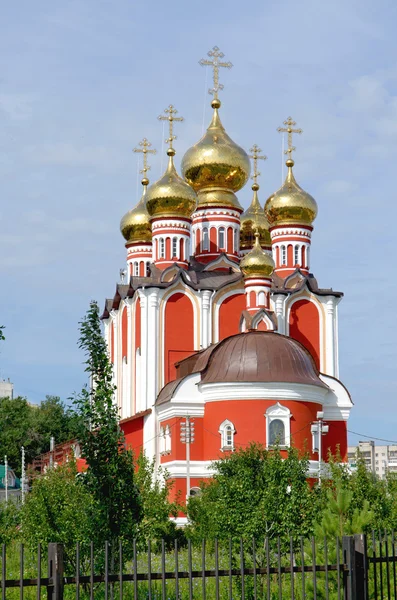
(170, 196)
(290, 204)
(135, 225)
(257, 263)
(253, 219)
(216, 167)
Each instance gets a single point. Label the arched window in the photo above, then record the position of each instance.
(195, 491)
(206, 241)
(187, 248)
(174, 247)
(276, 433)
(296, 255)
(227, 432)
(283, 255)
(167, 436)
(161, 248)
(261, 299)
(235, 240)
(148, 269)
(136, 269)
(278, 422)
(221, 238)
(162, 440)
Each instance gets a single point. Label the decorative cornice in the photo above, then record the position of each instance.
(219, 392)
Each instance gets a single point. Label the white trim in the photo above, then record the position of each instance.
(222, 392)
(223, 433)
(277, 412)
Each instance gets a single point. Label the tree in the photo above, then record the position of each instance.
(59, 508)
(110, 474)
(2, 336)
(339, 517)
(255, 492)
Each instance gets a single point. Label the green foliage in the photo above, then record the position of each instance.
(110, 474)
(31, 426)
(340, 517)
(154, 488)
(9, 521)
(59, 508)
(255, 493)
(2, 336)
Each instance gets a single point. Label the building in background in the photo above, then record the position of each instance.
(11, 490)
(6, 389)
(380, 460)
(220, 320)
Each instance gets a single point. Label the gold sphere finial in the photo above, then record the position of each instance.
(289, 162)
(145, 181)
(216, 103)
(171, 152)
(255, 187)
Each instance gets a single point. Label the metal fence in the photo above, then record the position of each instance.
(350, 568)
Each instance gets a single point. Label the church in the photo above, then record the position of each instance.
(220, 335)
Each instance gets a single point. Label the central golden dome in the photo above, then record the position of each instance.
(290, 205)
(216, 167)
(257, 263)
(135, 225)
(253, 219)
(170, 196)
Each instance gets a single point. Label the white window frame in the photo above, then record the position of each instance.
(278, 412)
(296, 255)
(161, 247)
(136, 269)
(235, 240)
(222, 232)
(283, 254)
(205, 243)
(175, 247)
(226, 428)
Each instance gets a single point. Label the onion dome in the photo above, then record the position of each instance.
(257, 263)
(253, 219)
(135, 225)
(170, 196)
(290, 204)
(216, 167)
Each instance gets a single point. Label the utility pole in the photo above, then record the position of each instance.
(23, 475)
(319, 429)
(187, 438)
(6, 476)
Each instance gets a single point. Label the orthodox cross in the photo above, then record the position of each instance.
(216, 55)
(169, 116)
(255, 157)
(144, 148)
(289, 129)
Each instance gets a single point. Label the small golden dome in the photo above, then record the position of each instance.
(253, 219)
(290, 204)
(257, 263)
(135, 225)
(216, 163)
(170, 196)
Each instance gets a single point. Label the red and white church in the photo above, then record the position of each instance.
(221, 319)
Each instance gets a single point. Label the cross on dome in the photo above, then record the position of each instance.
(289, 129)
(216, 55)
(255, 157)
(144, 148)
(169, 116)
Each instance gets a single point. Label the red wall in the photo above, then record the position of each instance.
(178, 333)
(230, 314)
(304, 326)
(133, 432)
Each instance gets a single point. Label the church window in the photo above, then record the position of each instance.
(227, 432)
(278, 418)
(206, 243)
(167, 436)
(162, 440)
(296, 255)
(221, 238)
(283, 255)
(235, 240)
(175, 247)
(147, 269)
(261, 299)
(161, 248)
(136, 269)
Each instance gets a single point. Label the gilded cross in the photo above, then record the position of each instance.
(144, 148)
(169, 116)
(216, 55)
(289, 129)
(255, 157)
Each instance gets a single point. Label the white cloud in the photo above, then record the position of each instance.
(16, 106)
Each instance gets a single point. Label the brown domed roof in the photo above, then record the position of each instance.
(261, 356)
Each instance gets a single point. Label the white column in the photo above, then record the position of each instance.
(279, 309)
(152, 379)
(113, 323)
(130, 358)
(205, 318)
(331, 334)
(141, 391)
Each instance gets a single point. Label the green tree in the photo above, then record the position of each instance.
(110, 474)
(255, 492)
(59, 508)
(9, 522)
(340, 517)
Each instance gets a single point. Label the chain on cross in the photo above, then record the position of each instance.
(255, 157)
(144, 148)
(289, 123)
(216, 55)
(169, 116)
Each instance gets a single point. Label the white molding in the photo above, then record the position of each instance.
(198, 468)
(222, 392)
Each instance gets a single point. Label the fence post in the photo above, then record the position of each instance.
(55, 572)
(355, 583)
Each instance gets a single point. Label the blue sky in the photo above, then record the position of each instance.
(81, 82)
